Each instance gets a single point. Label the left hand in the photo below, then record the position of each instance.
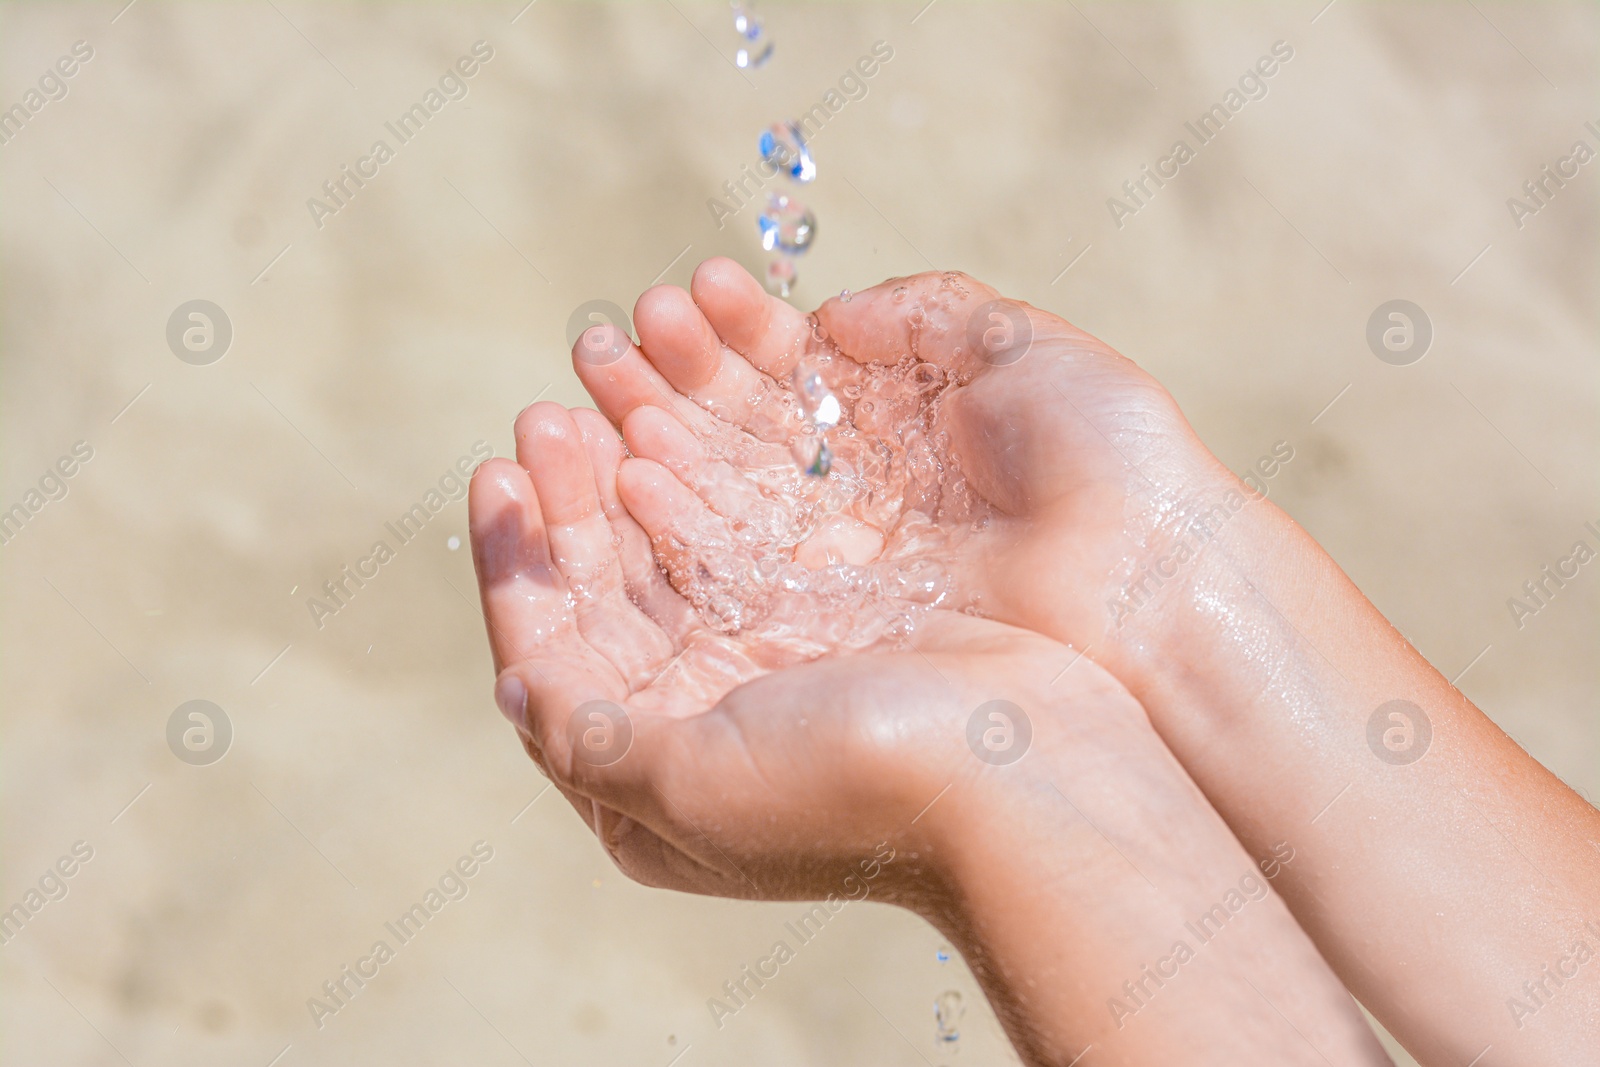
(697, 766)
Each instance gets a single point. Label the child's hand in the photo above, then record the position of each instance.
(1094, 516)
(697, 768)
(991, 456)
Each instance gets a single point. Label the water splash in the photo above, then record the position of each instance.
(848, 544)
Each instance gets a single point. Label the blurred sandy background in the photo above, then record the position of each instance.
(368, 355)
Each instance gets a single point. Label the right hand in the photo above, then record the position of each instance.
(1080, 466)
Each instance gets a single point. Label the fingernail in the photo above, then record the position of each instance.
(512, 696)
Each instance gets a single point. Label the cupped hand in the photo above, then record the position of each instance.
(990, 457)
(698, 766)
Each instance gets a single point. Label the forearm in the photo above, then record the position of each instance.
(1102, 902)
(1439, 867)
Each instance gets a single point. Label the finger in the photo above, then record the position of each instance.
(683, 346)
(539, 656)
(620, 379)
(768, 332)
(523, 594)
(551, 448)
(695, 544)
(647, 586)
(944, 318)
(731, 493)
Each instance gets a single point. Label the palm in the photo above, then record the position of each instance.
(958, 473)
(602, 648)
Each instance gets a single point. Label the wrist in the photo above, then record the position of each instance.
(1217, 566)
(1007, 810)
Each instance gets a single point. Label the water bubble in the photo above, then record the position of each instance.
(845, 295)
(899, 293)
(947, 1012)
(813, 455)
(600, 731)
(781, 276)
(786, 224)
(783, 147)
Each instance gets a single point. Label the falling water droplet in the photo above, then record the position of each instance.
(947, 1012)
(781, 275)
(817, 400)
(783, 147)
(813, 455)
(942, 955)
(753, 57)
(453, 544)
(786, 224)
(845, 295)
(745, 21)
